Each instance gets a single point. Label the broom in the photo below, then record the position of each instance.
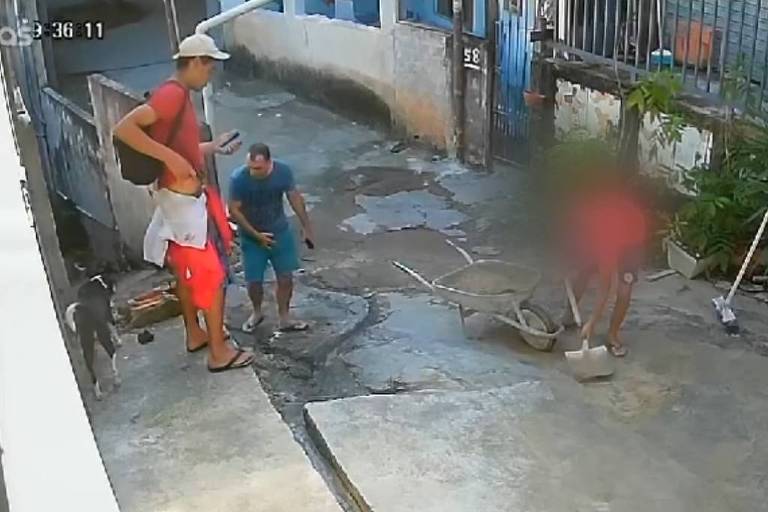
(723, 304)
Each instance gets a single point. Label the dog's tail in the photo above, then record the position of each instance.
(69, 316)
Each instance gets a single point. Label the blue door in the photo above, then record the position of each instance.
(513, 76)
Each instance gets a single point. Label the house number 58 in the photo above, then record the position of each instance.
(472, 57)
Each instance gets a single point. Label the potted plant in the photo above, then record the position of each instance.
(683, 255)
(533, 99)
(715, 228)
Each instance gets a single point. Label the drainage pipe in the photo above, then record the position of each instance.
(206, 25)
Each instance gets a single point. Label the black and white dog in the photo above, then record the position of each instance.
(91, 318)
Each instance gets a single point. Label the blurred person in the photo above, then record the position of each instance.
(189, 230)
(605, 235)
(257, 192)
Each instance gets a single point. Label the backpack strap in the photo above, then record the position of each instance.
(177, 119)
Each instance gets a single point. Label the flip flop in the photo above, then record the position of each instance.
(231, 364)
(252, 327)
(295, 327)
(616, 350)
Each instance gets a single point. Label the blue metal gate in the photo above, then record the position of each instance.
(513, 77)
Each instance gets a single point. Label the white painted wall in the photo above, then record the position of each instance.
(363, 54)
(578, 107)
(671, 162)
(50, 458)
(345, 48)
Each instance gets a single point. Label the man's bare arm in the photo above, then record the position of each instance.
(130, 130)
(296, 201)
(237, 214)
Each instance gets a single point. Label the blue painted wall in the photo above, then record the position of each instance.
(318, 7)
(366, 11)
(425, 11)
(276, 5)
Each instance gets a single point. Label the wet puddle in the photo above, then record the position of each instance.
(404, 210)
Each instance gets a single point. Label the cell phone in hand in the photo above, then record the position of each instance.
(310, 243)
(231, 139)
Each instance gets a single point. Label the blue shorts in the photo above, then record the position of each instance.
(283, 255)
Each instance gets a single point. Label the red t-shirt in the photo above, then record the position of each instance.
(608, 225)
(166, 101)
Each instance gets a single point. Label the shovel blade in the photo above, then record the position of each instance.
(590, 363)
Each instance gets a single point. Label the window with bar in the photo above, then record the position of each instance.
(698, 39)
(437, 13)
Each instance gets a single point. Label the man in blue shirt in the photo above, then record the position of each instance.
(256, 194)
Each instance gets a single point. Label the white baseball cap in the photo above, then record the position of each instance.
(200, 45)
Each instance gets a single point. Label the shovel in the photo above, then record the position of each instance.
(586, 363)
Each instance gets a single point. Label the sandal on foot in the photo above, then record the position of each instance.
(616, 350)
(294, 327)
(252, 323)
(233, 364)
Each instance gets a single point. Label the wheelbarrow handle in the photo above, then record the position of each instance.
(413, 274)
(461, 251)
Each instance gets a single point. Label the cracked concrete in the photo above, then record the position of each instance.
(681, 421)
(174, 437)
(481, 415)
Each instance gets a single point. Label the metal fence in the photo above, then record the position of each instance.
(75, 155)
(702, 41)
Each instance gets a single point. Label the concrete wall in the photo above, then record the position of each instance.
(78, 175)
(695, 149)
(478, 102)
(578, 107)
(404, 66)
(132, 205)
(422, 82)
(50, 457)
(598, 113)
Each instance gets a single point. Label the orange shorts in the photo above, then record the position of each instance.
(202, 270)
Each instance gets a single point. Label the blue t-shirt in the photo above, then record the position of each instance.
(262, 199)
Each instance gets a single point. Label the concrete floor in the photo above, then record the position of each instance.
(681, 426)
(684, 413)
(177, 438)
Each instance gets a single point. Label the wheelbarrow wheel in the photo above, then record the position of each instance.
(538, 318)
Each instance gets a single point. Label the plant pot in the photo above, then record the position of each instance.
(679, 260)
(533, 99)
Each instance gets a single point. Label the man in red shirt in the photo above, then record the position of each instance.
(606, 235)
(201, 271)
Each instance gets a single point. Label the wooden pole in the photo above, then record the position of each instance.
(458, 78)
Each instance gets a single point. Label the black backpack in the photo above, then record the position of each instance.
(141, 169)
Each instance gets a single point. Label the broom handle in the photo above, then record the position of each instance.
(748, 258)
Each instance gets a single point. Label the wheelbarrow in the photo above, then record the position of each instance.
(498, 289)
